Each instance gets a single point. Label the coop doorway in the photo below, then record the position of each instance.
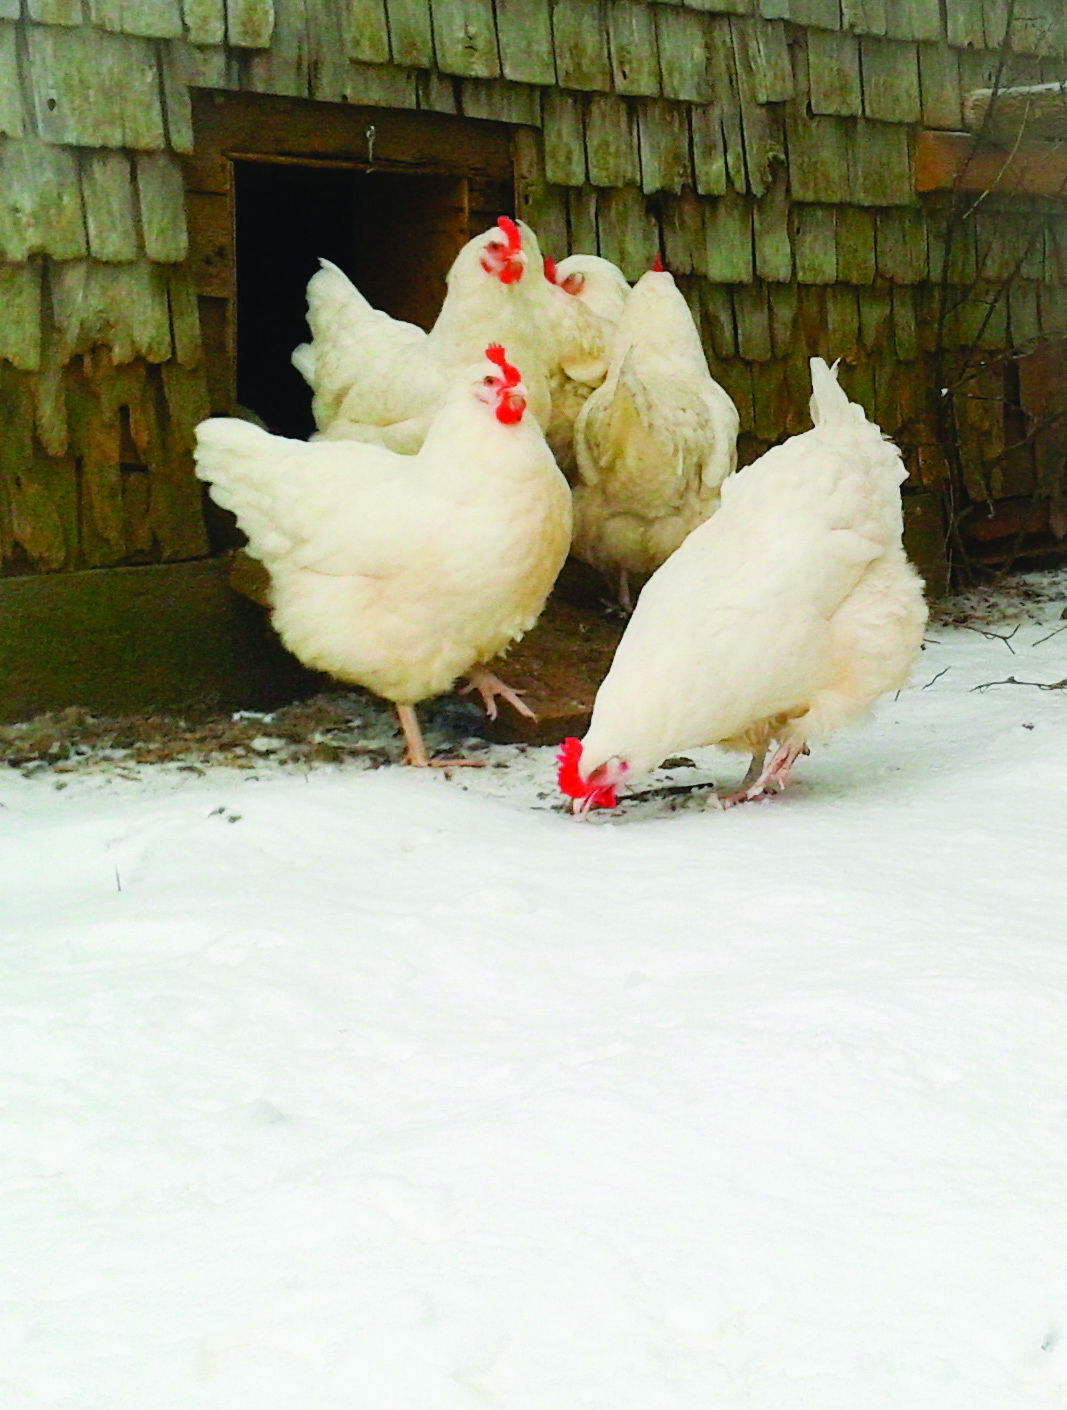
(394, 234)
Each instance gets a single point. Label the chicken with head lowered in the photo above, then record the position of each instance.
(785, 615)
(653, 443)
(402, 573)
(379, 380)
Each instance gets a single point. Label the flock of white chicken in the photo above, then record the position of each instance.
(553, 411)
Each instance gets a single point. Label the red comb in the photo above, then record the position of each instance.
(495, 353)
(550, 270)
(570, 779)
(657, 264)
(511, 230)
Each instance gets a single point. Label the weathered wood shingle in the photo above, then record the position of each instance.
(728, 223)
(913, 19)
(464, 34)
(564, 138)
(205, 21)
(684, 39)
(815, 243)
(524, 29)
(411, 32)
(939, 81)
(580, 38)
(150, 19)
(890, 80)
(834, 64)
(161, 193)
(250, 23)
(40, 202)
(366, 31)
(20, 315)
(497, 100)
(880, 164)
(664, 139)
(634, 48)
(12, 120)
(123, 307)
(107, 189)
(611, 141)
(67, 12)
(771, 238)
(627, 230)
(93, 89)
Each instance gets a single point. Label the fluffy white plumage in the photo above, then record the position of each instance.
(590, 293)
(786, 614)
(598, 283)
(655, 441)
(379, 380)
(400, 573)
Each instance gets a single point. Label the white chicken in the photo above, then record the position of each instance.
(785, 615)
(598, 283)
(380, 380)
(589, 294)
(401, 573)
(653, 443)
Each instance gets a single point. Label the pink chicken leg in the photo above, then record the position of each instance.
(771, 778)
(417, 755)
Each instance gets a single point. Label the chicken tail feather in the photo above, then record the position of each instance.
(828, 400)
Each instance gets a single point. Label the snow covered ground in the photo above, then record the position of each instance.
(370, 1090)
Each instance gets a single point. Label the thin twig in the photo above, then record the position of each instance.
(929, 683)
(998, 635)
(1038, 685)
(1049, 637)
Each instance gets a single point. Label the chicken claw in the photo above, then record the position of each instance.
(489, 687)
(772, 778)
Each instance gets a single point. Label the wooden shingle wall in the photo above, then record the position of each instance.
(764, 145)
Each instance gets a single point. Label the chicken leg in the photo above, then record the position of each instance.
(489, 687)
(772, 777)
(417, 755)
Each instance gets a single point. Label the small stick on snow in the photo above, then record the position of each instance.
(1049, 637)
(1038, 685)
(930, 682)
(998, 635)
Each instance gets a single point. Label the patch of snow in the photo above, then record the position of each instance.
(367, 1087)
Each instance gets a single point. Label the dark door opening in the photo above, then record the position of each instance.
(395, 236)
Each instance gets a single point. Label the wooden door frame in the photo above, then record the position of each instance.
(252, 127)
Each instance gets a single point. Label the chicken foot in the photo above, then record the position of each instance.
(416, 752)
(763, 779)
(489, 687)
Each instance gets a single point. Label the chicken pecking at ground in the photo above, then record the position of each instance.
(653, 443)
(378, 380)
(785, 615)
(401, 573)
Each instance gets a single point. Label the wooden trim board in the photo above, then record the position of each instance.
(953, 161)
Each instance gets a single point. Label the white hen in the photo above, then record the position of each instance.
(380, 380)
(786, 614)
(598, 283)
(654, 443)
(401, 573)
(588, 295)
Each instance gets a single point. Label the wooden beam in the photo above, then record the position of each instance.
(947, 161)
(1039, 110)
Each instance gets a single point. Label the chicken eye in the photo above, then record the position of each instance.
(488, 381)
(494, 245)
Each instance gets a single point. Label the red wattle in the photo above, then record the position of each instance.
(511, 408)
